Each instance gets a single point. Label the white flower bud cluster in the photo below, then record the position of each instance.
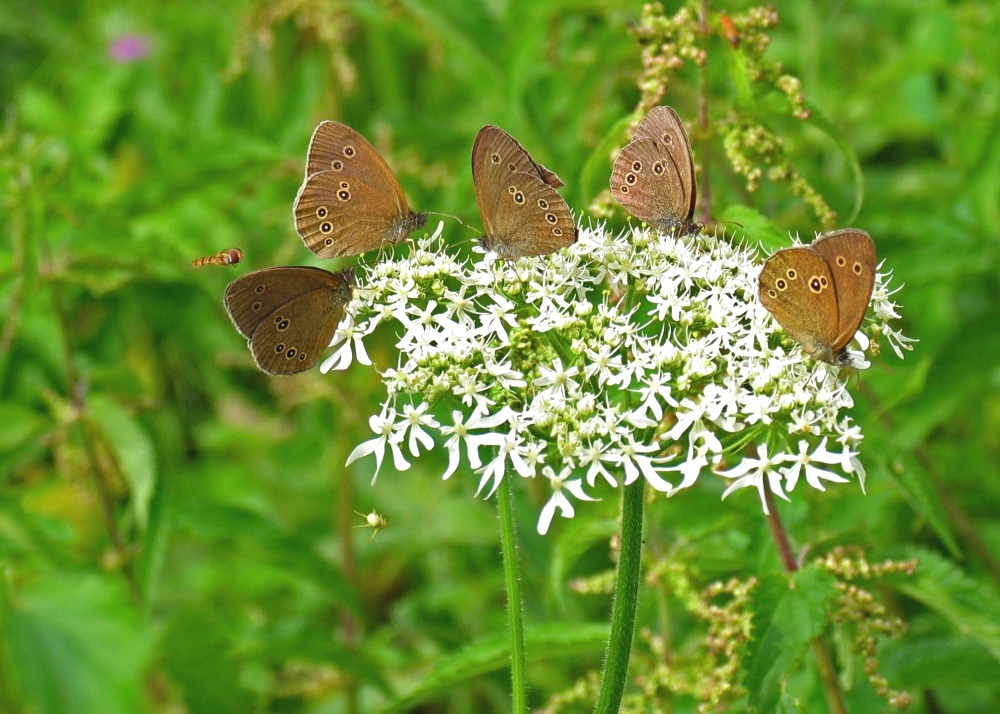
(620, 357)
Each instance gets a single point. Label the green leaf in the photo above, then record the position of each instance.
(77, 646)
(757, 227)
(133, 449)
(943, 587)
(787, 623)
(941, 662)
(489, 655)
(575, 540)
(20, 425)
(918, 489)
(203, 666)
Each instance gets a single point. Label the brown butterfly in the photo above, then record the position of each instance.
(230, 256)
(288, 315)
(820, 293)
(522, 212)
(653, 176)
(350, 201)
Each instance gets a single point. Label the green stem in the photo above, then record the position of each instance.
(508, 547)
(626, 599)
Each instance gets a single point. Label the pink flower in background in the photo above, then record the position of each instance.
(128, 48)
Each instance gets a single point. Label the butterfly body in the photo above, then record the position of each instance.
(350, 201)
(523, 214)
(820, 293)
(654, 176)
(289, 315)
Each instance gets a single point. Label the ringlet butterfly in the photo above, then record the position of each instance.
(350, 201)
(653, 176)
(288, 314)
(230, 256)
(522, 213)
(820, 293)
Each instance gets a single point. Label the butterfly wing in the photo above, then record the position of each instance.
(525, 217)
(653, 176)
(288, 314)
(492, 140)
(337, 147)
(850, 253)
(336, 215)
(796, 286)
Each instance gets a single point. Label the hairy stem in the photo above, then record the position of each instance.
(820, 647)
(508, 547)
(626, 598)
(343, 517)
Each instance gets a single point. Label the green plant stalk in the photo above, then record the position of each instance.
(508, 548)
(626, 598)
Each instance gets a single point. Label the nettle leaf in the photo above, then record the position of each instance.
(492, 654)
(792, 614)
(943, 587)
(77, 646)
(935, 662)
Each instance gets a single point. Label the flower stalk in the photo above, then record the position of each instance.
(626, 598)
(512, 579)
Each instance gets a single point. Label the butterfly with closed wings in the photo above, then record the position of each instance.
(820, 293)
(350, 202)
(654, 177)
(523, 214)
(289, 315)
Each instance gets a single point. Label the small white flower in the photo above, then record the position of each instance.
(558, 500)
(460, 431)
(347, 335)
(752, 472)
(803, 461)
(384, 425)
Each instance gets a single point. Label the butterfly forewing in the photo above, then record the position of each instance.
(350, 201)
(506, 152)
(653, 176)
(850, 254)
(337, 147)
(796, 286)
(288, 314)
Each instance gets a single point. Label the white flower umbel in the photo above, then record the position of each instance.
(638, 355)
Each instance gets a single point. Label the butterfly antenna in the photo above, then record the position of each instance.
(446, 215)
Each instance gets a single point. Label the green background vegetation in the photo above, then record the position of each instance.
(175, 527)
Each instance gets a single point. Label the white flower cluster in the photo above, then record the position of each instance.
(620, 357)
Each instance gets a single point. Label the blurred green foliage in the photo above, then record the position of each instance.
(176, 528)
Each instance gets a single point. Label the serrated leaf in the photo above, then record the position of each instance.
(133, 449)
(491, 654)
(77, 646)
(757, 227)
(784, 634)
(941, 662)
(942, 586)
